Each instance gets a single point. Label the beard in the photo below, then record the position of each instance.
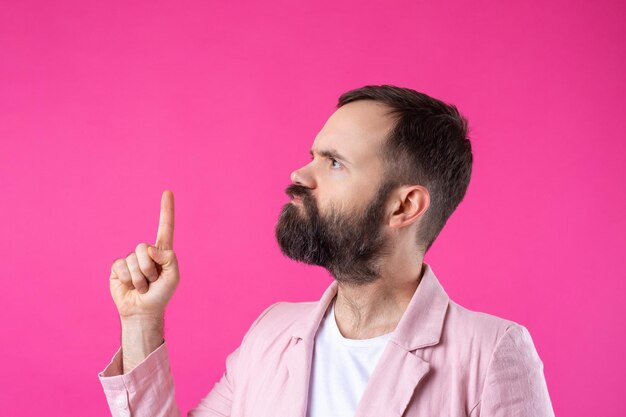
(350, 246)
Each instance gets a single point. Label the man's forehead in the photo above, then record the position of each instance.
(355, 130)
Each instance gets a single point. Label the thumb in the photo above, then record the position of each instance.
(160, 256)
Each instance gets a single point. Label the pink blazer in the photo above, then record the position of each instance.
(442, 360)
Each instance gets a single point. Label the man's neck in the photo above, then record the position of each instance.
(374, 309)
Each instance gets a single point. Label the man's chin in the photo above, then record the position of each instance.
(298, 254)
(293, 246)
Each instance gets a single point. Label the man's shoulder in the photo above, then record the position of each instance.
(463, 324)
(280, 318)
(475, 319)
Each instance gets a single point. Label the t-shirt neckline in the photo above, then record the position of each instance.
(364, 343)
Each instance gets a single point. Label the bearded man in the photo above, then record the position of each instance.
(387, 170)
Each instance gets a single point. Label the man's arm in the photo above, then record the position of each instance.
(515, 384)
(140, 337)
(148, 389)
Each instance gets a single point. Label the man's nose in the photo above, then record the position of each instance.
(295, 177)
(301, 177)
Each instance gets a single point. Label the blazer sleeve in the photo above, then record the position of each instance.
(148, 389)
(515, 384)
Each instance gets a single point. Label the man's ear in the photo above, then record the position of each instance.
(409, 204)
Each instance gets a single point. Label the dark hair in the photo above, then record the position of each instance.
(427, 146)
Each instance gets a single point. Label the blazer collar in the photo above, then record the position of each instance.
(401, 368)
(420, 326)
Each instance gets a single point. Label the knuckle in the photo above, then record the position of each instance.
(125, 277)
(139, 282)
(141, 247)
(149, 270)
(132, 268)
(117, 263)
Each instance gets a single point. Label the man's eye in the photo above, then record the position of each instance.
(333, 160)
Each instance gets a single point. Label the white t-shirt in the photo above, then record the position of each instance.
(341, 368)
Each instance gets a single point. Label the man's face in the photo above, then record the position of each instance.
(336, 219)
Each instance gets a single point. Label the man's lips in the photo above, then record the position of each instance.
(296, 199)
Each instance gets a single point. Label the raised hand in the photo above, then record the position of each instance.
(143, 283)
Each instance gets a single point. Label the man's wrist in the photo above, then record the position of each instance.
(143, 321)
(140, 337)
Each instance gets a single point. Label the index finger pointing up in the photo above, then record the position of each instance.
(165, 235)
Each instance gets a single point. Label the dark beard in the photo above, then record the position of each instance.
(350, 246)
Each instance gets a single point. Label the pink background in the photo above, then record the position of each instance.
(103, 105)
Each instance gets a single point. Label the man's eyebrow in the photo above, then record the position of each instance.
(330, 153)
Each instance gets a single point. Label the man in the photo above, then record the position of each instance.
(387, 170)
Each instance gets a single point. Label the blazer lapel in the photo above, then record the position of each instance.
(298, 358)
(400, 367)
(299, 353)
(392, 383)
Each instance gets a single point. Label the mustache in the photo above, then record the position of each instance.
(295, 190)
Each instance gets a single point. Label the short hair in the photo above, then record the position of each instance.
(427, 146)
